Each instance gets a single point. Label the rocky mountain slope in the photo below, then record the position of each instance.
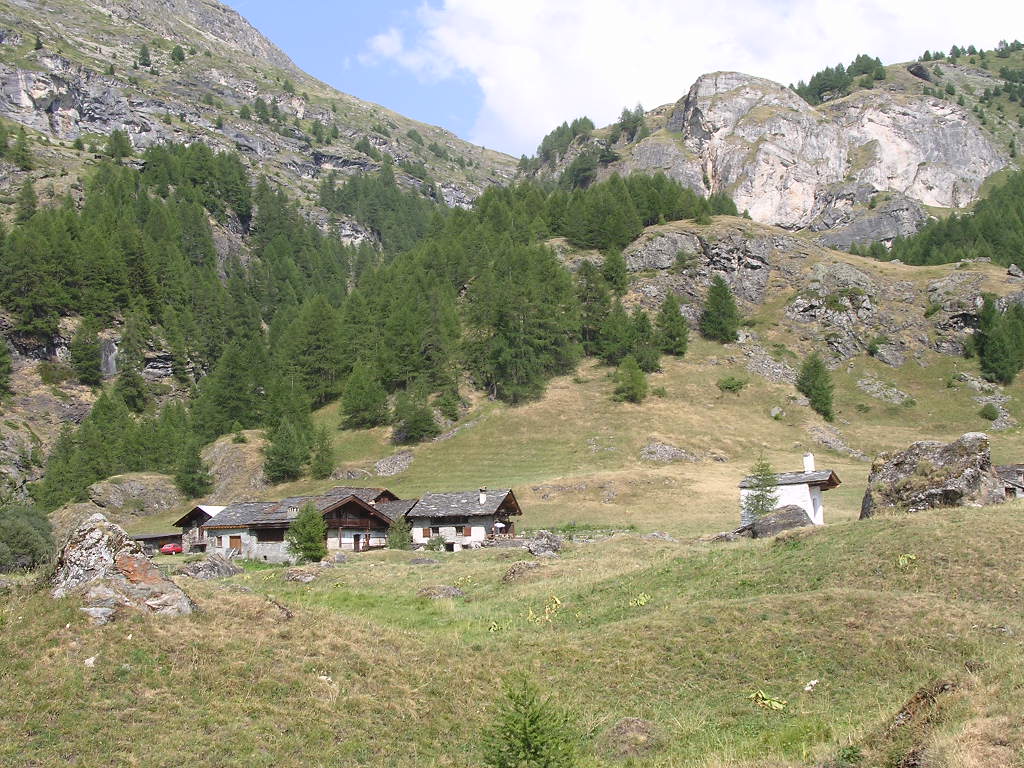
(861, 168)
(71, 70)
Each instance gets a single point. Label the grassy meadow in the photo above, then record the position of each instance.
(680, 634)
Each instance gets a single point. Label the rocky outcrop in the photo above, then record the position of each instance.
(795, 165)
(545, 544)
(109, 572)
(782, 519)
(519, 570)
(138, 493)
(394, 464)
(213, 566)
(933, 474)
(440, 592)
(237, 468)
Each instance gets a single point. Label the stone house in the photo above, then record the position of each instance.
(802, 489)
(193, 534)
(463, 519)
(1012, 476)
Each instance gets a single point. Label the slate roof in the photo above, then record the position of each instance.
(285, 511)
(211, 510)
(464, 504)
(393, 510)
(240, 514)
(1010, 474)
(823, 477)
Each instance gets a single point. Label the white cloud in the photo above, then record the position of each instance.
(539, 62)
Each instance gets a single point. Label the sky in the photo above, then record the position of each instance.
(502, 74)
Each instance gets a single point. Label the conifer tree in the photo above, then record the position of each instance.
(720, 320)
(27, 202)
(6, 369)
(613, 270)
(177, 54)
(763, 496)
(307, 535)
(643, 343)
(414, 418)
(364, 403)
(286, 453)
(616, 338)
(400, 533)
(630, 381)
(815, 383)
(192, 476)
(85, 353)
(999, 362)
(132, 389)
(144, 59)
(529, 731)
(595, 303)
(119, 146)
(673, 330)
(20, 155)
(321, 465)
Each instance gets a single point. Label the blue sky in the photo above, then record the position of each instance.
(502, 73)
(329, 40)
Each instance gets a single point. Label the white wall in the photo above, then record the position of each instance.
(480, 527)
(269, 551)
(807, 498)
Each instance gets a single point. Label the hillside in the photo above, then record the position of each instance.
(85, 80)
(916, 663)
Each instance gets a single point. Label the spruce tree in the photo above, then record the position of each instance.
(119, 146)
(321, 465)
(144, 59)
(364, 403)
(643, 344)
(20, 155)
(307, 535)
(27, 202)
(177, 54)
(673, 330)
(529, 731)
(999, 361)
(285, 454)
(613, 270)
(6, 369)
(595, 303)
(414, 418)
(85, 353)
(616, 338)
(630, 381)
(763, 496)
(720, 320)
(132, 389)
(815, 383)
(192, 476)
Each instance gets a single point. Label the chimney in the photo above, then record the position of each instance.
(808, 462)
(483, 496)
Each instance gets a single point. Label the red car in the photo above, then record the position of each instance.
(171, 549)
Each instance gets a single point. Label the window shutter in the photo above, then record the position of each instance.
(426, 533)
(467, 530)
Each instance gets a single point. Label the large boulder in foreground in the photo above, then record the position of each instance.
(109, 571)
(933, 474)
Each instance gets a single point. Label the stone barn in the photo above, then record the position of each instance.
(801, 489)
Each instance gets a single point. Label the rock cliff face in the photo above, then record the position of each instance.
(785, 161)
(858, 169)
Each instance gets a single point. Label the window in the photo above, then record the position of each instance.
(426, 533)
(467, 530)
(269, 534)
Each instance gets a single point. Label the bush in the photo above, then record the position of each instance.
(400, 534)
(529, 731)
(307, 536)
(26, 538)
(630, 381)
(732, 384)
(436, 544)
(989, 411)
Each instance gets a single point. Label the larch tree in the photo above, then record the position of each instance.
(673, 330)
(815, 383)
(720, 320)
(763, 495)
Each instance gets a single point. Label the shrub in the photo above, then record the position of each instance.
(529, 731)
(400, 534)
(630, 381)
(436, 544)
(26, 538)
(307, 536)
(989, 411)
(732, 384)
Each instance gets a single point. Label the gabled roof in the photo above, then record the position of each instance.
(393, 510)
(210, 510)
(466, 504)
(285, 511)
(240, 514)
(825, 478)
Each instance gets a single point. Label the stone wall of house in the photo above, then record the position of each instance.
(480, 528)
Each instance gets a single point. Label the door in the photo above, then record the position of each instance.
(235, 542)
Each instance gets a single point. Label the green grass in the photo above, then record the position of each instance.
(364, 655)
